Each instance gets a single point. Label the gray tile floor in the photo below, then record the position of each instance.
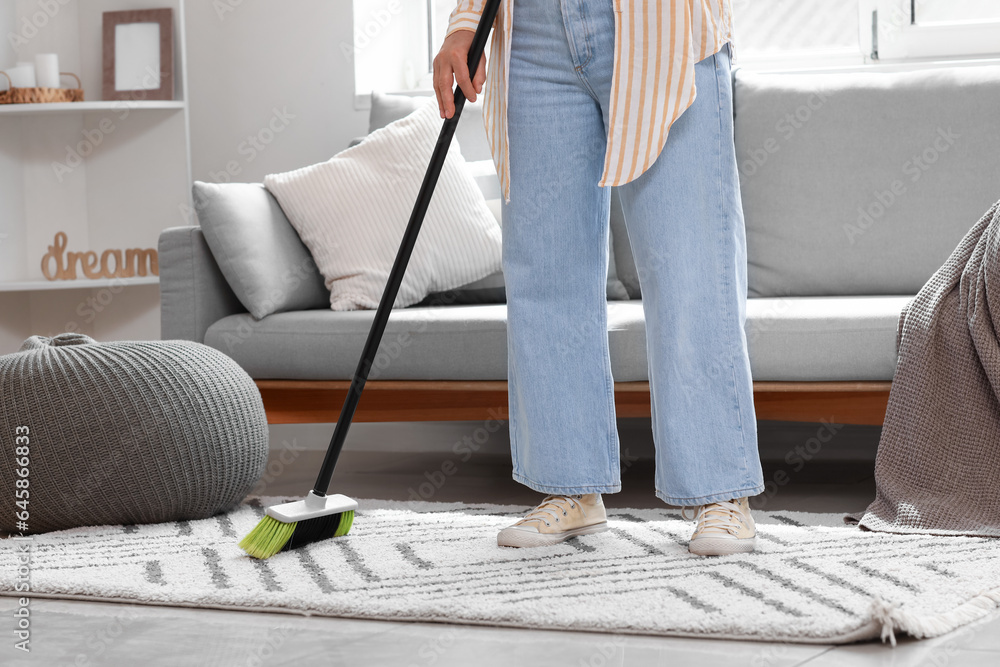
(387, 461)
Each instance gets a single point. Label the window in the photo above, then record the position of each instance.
(938, 11)
(915, 29)
(390, 45)
(395, 42)
(795, 33)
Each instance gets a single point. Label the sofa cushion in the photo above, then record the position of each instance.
(790, 338)
(261, 256)
(621, 249)
(471, 136)
(351, 211)
(387, 108)
(863, 183)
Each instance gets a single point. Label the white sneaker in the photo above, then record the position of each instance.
(724, 528)
(556, 519)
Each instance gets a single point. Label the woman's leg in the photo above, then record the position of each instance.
(555, 244)
(685, 222)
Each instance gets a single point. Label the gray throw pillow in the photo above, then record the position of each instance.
(386, 108)
(258, 251)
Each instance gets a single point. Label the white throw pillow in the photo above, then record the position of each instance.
(352, 210)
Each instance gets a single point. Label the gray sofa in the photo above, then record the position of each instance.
(856, 187)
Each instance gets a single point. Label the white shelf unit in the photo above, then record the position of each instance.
(110, 174)
(43, 285)
(80, 107)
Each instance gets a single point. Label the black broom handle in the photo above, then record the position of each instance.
(403, 257)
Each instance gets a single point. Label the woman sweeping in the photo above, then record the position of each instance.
(582, 95)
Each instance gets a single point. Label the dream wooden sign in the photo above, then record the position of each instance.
(57, 264)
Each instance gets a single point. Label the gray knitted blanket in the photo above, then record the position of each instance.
(938, 464)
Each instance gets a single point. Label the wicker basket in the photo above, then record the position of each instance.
(41, 95)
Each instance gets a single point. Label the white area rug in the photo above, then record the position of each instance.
(806, 582)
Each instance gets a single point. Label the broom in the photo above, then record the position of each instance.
(319, 516)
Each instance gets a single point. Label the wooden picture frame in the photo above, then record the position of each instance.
(115, 23)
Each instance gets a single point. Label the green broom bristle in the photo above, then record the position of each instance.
(346, 521)
(271, 536)
(267, 538)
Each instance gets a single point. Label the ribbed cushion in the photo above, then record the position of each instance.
(127, 432)
(351, 212)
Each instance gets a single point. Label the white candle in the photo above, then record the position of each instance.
(22, 76)
(47, 70)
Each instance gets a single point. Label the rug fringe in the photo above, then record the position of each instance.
(891, 617)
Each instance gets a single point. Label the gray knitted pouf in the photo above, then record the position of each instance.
(124, 432)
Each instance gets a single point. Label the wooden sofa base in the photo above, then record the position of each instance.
(306, 402)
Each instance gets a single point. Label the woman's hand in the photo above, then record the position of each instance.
(452, 64)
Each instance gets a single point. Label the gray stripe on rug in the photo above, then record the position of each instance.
(788, 522)
(355, 561)
(938, 570)
(411, 557)
(153, 573)
(794, 585)
(314, 571)
(692, 600)
(875, 574)
(832, 578)
(771, 538)
(580, 546)
(214, 564)
(676, 592)
(266, 575)
(226, 525)
(650, 549)
(757, 595)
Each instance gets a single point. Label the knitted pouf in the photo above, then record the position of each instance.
(124, 433)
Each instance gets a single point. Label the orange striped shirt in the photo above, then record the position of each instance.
(657, 43)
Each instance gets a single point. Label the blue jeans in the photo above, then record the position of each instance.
(685, 221)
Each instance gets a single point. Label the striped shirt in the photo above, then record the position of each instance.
(657, 43)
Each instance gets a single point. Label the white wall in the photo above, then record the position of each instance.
(7, 26)
(262, 56)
